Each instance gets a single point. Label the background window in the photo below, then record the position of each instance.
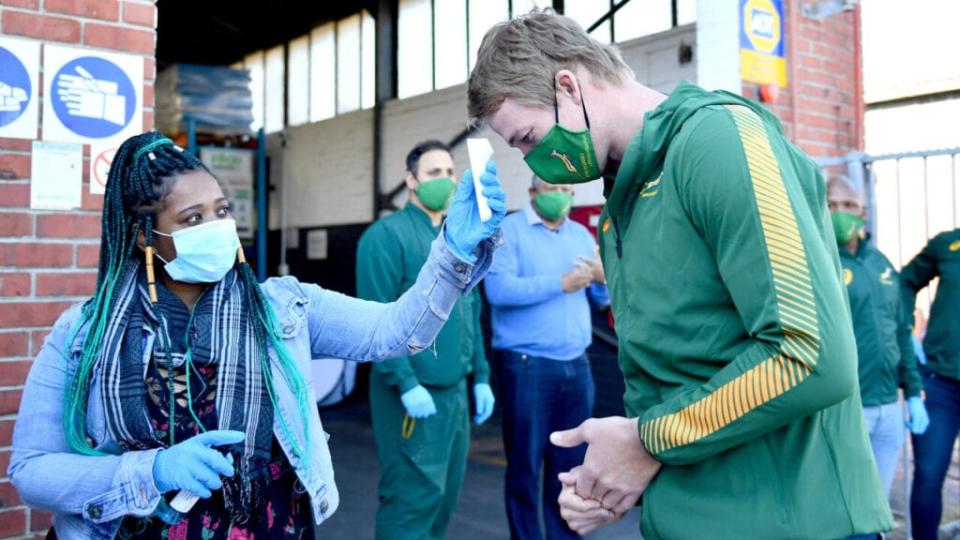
(520, 7)
(254, 62)
(348, 64)
(275, 79)
(450, 49)
(587, 12)
(323, 73)
(298, 81)
(414, 48)
(686, 11)
(332, 70)
(642, 18)
(368, 53)
(482, 15)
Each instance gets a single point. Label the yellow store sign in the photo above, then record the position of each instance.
(761, 42)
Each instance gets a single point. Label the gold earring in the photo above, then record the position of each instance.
(151, 280)
(240, 256)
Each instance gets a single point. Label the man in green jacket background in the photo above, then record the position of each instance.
(881, 325)
(736, 344)
(941, 377)
(419, 404)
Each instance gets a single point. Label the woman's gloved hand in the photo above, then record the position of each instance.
(464, 231)
(919, 419)
(193, 465)
(483, 395)
(418, 402)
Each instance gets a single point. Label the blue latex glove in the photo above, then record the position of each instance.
(464, 231)
(919, 419)
(418, 402)
(483, 395)
(918, 349)
(193, 465)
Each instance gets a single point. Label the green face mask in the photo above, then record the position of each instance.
(845, 226)
(553, 205)
(436, 194)
(564, 156)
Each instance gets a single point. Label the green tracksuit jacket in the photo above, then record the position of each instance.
(881, 326)
(422, 462)
(736, 343)
(941, 257)
(389, 257)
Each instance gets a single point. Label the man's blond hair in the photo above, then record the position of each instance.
(520, 57)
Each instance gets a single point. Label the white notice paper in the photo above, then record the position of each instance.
(480, 152)
(317, 242)
(56, 175)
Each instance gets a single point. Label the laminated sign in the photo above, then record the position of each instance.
(91, 97)
(19, 66)
(761, 42)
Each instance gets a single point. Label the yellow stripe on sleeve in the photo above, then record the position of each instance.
(792, 363)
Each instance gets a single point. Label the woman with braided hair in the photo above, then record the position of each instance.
(184, 375)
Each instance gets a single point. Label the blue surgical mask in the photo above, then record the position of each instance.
(205, 253)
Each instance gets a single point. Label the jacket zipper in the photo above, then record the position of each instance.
(616, 230)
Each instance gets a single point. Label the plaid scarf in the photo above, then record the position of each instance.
(222, 334)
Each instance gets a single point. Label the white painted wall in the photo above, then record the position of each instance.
(327, 168)
(718, 45)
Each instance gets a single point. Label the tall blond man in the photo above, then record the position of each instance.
(736, 345)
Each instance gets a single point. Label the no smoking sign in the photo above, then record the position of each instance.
(100, 159)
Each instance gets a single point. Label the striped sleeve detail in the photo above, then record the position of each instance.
(797, 310)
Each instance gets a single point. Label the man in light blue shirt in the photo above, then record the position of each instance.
(540, 287)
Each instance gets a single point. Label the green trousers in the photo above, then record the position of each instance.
(422, 461)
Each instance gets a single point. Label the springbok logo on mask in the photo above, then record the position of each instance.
(565, 159)
(553, 159)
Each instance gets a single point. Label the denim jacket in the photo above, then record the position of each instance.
(90, 495)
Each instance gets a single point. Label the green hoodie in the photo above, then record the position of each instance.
(881, 325)
(390, 255)
(735, 337)
(940, 258)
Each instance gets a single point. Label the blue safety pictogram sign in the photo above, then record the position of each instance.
(15, 88)
(93, 97)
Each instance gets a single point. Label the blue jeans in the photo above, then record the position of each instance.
(932, 452)
(539, 396)
(885, 427)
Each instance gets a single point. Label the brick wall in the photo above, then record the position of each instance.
(48, 259)
(825, 78)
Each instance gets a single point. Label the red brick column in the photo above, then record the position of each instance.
(48, 259)
(819, 107)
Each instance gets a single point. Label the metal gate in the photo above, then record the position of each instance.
(911, 197)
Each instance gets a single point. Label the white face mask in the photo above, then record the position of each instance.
(205, 253)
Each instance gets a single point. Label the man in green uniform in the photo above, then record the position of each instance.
(881, 325)
(941, 377)
(419, 404)
(735, 339)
